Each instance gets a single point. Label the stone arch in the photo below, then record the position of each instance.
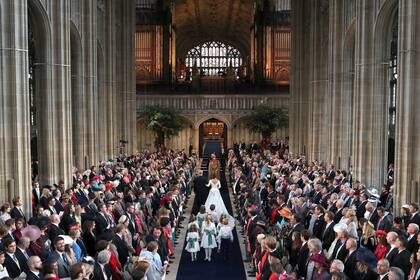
(381, 87)
(222, 118)
(39, 25)
(77, 96)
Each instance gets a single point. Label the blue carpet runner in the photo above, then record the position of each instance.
(218, 268)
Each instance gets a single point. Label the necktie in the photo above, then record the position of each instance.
(66, 260)
(16, 261)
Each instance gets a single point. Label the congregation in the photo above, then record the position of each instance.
(120, 220)
(305, 220)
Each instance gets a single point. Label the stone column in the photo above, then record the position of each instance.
(298, 105)
(196, 140)
(53, 92)
(15, 161)
(319, 99)
(407, 150)
(110, 79)
(364, 140)
(90, 43)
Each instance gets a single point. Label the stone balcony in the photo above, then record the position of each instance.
(199, 107)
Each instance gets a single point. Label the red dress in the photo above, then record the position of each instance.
(115, 265)
(380, 251)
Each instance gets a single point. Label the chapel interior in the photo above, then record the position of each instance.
(76, 73)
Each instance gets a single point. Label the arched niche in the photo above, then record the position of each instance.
(385, 20)
(41, 88)
(77, 101)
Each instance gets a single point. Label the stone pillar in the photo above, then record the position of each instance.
(407, 150)
(196, 140)
(53, 92)
(90, 43)
(110, 80)
(298, 104)
(319, 98)
(15, 161)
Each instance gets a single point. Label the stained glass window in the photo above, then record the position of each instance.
(213, 58)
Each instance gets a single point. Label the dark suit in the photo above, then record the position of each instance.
(302, 260)
(328, 236)
(391, 254)
(350, 265)
(385, 224)
(31, 276)
(12, 268)
(319, 227)
(101, 224)
(338, 216)
(412, 245)
(201, 192)
(122, 249)
(22, 259)
(16, 214)
(251, 233)
(90, 241)
(415, 219)
(98, 273)
(402, 260)
(361, 209)
(340, 251)
(54, 231)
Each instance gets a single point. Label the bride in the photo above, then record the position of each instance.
(216, 198)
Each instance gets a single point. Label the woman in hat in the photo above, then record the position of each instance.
(382, 247)
(126, 234)
(368, 239)
(320, 270)
(366, 263)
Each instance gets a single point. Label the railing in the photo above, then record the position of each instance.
(201, 103)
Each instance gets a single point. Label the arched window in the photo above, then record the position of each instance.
(213, 58)
(393, 79)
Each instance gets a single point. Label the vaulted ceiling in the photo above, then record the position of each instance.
(197, 21)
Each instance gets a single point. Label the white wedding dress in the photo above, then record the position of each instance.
(216, 198)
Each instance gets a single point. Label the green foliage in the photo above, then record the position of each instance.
(266, 120)
(163, 121)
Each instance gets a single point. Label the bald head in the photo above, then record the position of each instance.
(391, 237)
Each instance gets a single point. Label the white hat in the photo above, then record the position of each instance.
(340, 227)
(373, 192)
(67, 239)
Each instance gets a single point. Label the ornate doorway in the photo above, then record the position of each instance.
(212, 130)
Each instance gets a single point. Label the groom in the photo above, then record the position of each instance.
(201, 191)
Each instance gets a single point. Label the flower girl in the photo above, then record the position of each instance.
(224, 238)
(192, 242)
(208, 233)
(201, 215)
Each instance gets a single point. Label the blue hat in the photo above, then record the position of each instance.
(366, 257)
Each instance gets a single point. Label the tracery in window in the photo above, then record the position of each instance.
(213, 59)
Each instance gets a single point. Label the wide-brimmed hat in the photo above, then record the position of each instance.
(321, 259)
(285, 212)
(67, 239)
(340, 227)
(32, 232)
(373, 192)
(366, 257)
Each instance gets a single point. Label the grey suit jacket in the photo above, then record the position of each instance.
(63, 268)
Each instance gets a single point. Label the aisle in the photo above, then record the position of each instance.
(218, 268)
